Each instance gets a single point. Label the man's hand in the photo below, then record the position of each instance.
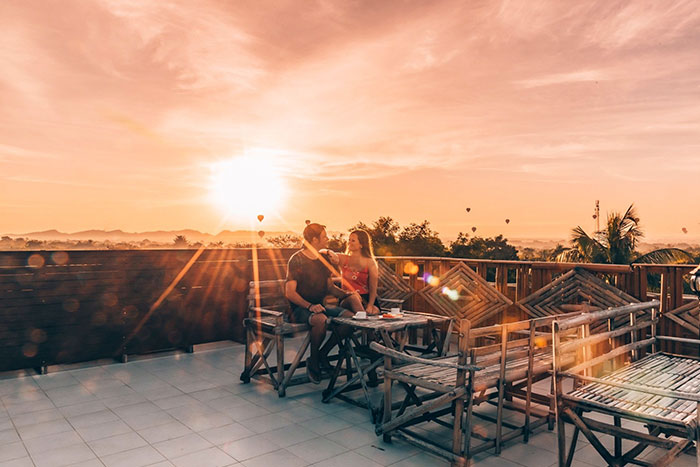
(372, 310)
(317, 308)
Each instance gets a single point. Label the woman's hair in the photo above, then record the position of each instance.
(365, 243)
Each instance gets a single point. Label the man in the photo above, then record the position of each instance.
(308, 283)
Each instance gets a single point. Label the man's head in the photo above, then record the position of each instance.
(315, 237)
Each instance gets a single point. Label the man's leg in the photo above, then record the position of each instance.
(317, 321)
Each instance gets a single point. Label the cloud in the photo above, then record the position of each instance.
(563, 78)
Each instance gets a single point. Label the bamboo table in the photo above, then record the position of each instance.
(353, 348)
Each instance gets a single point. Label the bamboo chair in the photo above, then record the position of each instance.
(266, 328)
(624, 382)
(446, 390)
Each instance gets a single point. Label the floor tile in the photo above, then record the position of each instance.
(280, 457)
(387, 453)
(103, 430)
(180, 446)
(423, 460)
(267, 423)
(8, 436)
(316, 450)
(327, 424)
(12, 451)
(47, 443)
(118, 443)
(82, 409)
(64, 456)
(94, 418)
(211, 457)
(21, 462)
(353, 437)
(226, 433)
(289, 435)
(37, 417)
(43, 429)
(139, 421)
(347, 459)
(247, 448)
(164, 432)
(138, 457)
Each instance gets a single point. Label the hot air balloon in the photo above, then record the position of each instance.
(473, 229)
(507, 221)
(469, 209)
(685, 231)
(260, 217)
(261, 234)
(594, 216)
(308, 222)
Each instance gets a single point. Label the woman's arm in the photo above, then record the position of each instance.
(333, 257)
(373, 281)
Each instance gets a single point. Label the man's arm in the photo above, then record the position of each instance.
(336, 291)
(290, 291)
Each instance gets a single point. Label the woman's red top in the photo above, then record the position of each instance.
(354, 280)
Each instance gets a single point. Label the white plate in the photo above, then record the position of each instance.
(361, 319)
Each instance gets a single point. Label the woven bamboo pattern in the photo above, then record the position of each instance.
(575, 287)
(390, 285)
(687, 316)
(658, 371)
(477, 300)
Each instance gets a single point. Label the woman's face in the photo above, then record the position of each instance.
(354, 243)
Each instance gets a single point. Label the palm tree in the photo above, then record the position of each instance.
(616, 244)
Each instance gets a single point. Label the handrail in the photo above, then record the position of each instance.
(412, 359)
(588, 318)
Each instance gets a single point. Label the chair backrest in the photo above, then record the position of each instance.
(573, 336)
(269, 295)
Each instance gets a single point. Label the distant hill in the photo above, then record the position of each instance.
(162, 236)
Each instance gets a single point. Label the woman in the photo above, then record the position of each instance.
(358, 269)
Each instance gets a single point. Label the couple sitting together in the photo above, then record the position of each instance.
(310, 273)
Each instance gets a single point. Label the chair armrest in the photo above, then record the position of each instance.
(412, 359)
(265, 311)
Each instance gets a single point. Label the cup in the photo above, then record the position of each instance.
(361, 315)
(396, 311)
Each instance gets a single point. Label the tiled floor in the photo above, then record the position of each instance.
(191, 410)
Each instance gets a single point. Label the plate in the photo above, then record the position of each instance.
(360, 319)
(387, 316)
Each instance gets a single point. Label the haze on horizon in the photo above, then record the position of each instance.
(117, 114)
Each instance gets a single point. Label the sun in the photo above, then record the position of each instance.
(245, 186)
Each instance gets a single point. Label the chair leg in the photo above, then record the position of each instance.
(282, 388)
(245, 376)
(297, 360)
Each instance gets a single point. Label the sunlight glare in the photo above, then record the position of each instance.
(245, 186)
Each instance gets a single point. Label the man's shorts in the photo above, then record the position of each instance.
(302, 315)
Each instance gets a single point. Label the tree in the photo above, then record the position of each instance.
(285, 241)
(337, 243)
(383, 234)
(180, 241)
(420, 240)
(617, 243)
(482, 248)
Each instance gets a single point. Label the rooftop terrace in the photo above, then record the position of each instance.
(191, 410)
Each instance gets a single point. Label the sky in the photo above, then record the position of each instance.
(134, 115)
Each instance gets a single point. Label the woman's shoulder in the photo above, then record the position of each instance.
(369, 263)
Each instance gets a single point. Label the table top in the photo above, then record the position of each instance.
(409, 320)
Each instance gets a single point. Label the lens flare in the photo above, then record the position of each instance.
(450, 293)
(431, 280)
(410, 268)
(36, 261)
